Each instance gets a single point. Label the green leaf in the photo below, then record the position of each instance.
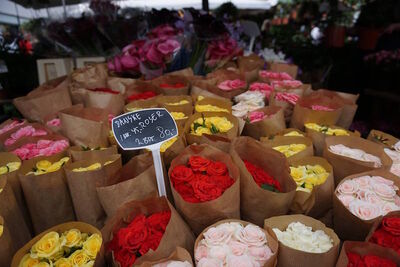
(85, 148)
(204, 120)
(34, 169)
(196, 125)
(247, 120)
(269, 187)
(214, 129)
(97, 148)
(303, 185)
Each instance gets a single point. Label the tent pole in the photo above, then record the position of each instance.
(205, 5)
(64, 9)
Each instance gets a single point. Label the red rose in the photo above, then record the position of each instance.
(382, 238)
(105, 90)
(159, 221)
(198, 163)
(133, 236)
(186, 192)
(375, 261)
(391, 225)
(124, 257)
(217, 168)
(181, 174)
(151, 243)
(223, 181)
(354, 259)
(204, 189)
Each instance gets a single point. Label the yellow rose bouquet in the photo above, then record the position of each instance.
(46, 175)
(65, 245)
(315, 186)
(209, 104)
(293, 147)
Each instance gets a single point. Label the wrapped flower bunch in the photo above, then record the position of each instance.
(12, 125)
(178, 115)
(262, 178)
(326, 129)
(369, 197)
(264, 88)
(287, 97)
(201, 180)
(179, 103)
(23, 132)
(275, 76)
(368, 260)
(210, 125)
(41, 148)
(209, 108)
(301, 237)
(141, 96)
(247, 102)
(293, 84)
(395, 156)
(92, 167)
(232, 244)
(355, 153)
(231, 85)
(255, 116)
(71, 248)
(45, 166)
(388, 234)
(291, 149)
(308, 176)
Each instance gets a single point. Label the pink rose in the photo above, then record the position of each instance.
(220, 49)
(321, 108)
(219, 252)
(23, 132)
(364, 211)
(251, 235)
(230, 85)
(255, 116)
(54, 122)
(287, 97)
(382, 180)
(385, 191)
(168, 47)
(10, 126)
(371, 197)
(265, 88)
(363, 181)
(281, 76)
(389, 207)
(237, 248)
(240, 261)
(201, 252)
(129, 62)
(206, 262)
(43, 143)
(287, 84)
(346, 199)
(348, 187)
(216, 236)
(261, 254)
(152, 54)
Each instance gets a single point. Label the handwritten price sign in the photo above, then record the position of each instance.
(146, 128)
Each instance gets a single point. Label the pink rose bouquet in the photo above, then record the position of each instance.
(12, 125)
(274, 76)
(163, 31)
(287, 97)
(231, 85)
(255, 116)
(221, 51)
(23, 132)
(41, 148)
(265, 88)
(293, 84)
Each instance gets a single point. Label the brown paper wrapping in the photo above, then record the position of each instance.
(365, 248)
(174, 150)
(82, 186)
(214, 89)
(219, 142)
(38, 106)
(204, 88)
(7, 247)
(77, 153)
(249, 66)
(287, 140)
(318, 138)
(163, 102)
(349, 226)
(139, 87)
(141, 104)
(180, 254)
(303, 113)
(227, 206)
(274, 123)
(382, 138)
(47, 195)
(317, 203)
(221, 103)
(290, 69)
(345, 166)
(9, 210)
(120, 84)
(256, 203)
(85, 126)
(188, 72)
(176, 234)
(113, 103)
(287, 107)
(136, 180)
(172, 79)
(8, 134)
(191, 138)
(272, 241)
(289, 257)
(222, 74)
(61, 228)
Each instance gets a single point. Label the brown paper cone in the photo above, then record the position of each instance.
(83, 227)
(180, 254)
(113, 103)
(172, 79)
(319, 202)
(205, 89)
(176, 234)
(272, 124)
(136, 181)
(165, 101)
(287, 140)
(249, 66)
(221, 103)
(47, 195)
(349, 226)
(225, 94)
(365, 248)
(219, 142)
(85, 126)
(174, 150)
(141, 104)
(345, 166)
(82, 186)
(289, 257)
(272, 241)
(287, 107)
(7, 247)
(77, 153)
(188, 72)
(256, 203)
(227, 206)
(290, 69)
(120, 84)
(191, 138)
(382, 138)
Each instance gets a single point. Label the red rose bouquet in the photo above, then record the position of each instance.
(138, 237)
(262, 178)
(104, 90)
(355, 260)
(139, 96)
(202, 180)
(388, 234)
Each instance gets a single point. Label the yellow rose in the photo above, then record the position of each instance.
(168, 144)
(92, 167)
(297, 173)
(313, 126)
(79, 258)
(317, 169)
(71, 237)
(28, 261)
(1, 230)
(200, 97)
(202, 130)
(178, 115)
(3, 170)
(208, 107)
(290, 150)
(339, 132)
(63, 262)
(293, 133)
(182, 102)
(92, 245)
(47, 246)
(13, 166)
(42, 264)
(43, 164)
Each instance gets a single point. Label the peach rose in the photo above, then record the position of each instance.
(201, 252)
(348, 187)
(219, 252)
(363, 182)
(385, 191)
(251, 235)
(216, 236)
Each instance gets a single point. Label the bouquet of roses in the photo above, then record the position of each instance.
(11, 124)
(220, 51)
(386, 232)
(44, 147)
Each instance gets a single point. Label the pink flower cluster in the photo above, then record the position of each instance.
(321, 108)
(255, 116)
(287, 97)
(23, 132)
(41, 148)
(163, 31)
(230, 85)
(54, 122)
(276, 76)
(10, 126)
(222, 49)
(265, 88)
(287, 84)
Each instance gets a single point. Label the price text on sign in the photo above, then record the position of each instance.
(144, 128)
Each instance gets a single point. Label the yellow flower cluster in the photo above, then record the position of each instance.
(210, 125)
(178, 115)
(325, 129)
(45, 166)
(133, 109)
(293, 133)
(308, 176)
(168, 144)
(182, 102)
(93, 167)
(290, 150)
(209, 108)
(10, 167)
(71, 249)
